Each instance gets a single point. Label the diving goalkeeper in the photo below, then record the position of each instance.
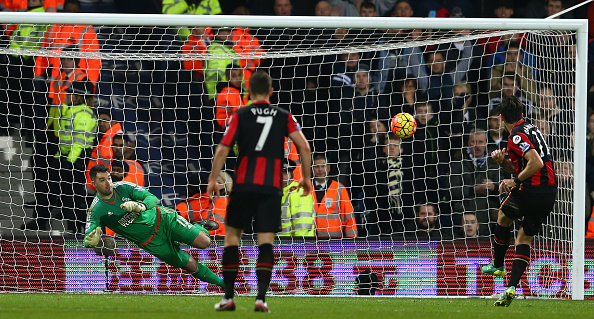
(132, 211)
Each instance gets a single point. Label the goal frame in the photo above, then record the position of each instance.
(580, 26)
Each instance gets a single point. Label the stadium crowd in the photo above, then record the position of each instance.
(438, 184)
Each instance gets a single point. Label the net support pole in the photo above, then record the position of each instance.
(579, 160)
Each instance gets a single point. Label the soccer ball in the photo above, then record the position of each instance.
(403, 125)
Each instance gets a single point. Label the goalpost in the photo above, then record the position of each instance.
(319, 67)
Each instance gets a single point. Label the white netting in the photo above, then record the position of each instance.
(343, 85)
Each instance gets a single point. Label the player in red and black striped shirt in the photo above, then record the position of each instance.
(531, 193)
(259, 131)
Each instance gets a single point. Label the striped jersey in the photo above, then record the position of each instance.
(259, 130)
(524, 137)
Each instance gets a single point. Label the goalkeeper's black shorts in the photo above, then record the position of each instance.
(263, 209)
(533, 208)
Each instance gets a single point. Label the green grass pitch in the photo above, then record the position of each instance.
(86, 306)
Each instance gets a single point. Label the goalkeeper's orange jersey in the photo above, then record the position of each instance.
(136, 227)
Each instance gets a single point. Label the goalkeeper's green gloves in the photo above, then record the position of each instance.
(92, 239)
(133, 207)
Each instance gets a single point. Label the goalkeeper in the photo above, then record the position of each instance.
(132, 211)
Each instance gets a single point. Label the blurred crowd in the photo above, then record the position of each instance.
(438, 184)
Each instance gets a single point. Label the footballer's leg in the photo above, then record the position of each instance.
(264, 269)
(203, 273)
(501, 244)
(230, 267)
(521, 260)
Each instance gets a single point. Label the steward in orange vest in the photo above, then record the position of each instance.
(199, 207)
(196, 44)
(334, 211)
(103, 152)
(230, 97)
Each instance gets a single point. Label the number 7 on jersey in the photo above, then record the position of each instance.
(267, 121)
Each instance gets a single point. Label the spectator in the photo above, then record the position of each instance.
(367, 9)
(334, 211)
(198, 207)
(297, 216)
(198, 7)
(474, 181)
(400, 96)
(119, 170)
(428, 151)
(510, 87)
(197, 43)
(426, 224)
(282, 7)
(76, 132)
(123, 149)
(68, 71)
(324, 9)
(497, 137)
(504, 9)
(469, 226)
(462, 110)
(387, 187)
(546, 8)
(513, 64)
(375, 138)
(231, 96)
(103, 152)
(402, 9)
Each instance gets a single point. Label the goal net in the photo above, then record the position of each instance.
(393, 217)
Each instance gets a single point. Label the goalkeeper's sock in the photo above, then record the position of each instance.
(501, 239)
(264, 270)
(205, 274)
(521, 260)
(230, 269)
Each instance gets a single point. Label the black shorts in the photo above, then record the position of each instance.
(263, 209)
(533, 207)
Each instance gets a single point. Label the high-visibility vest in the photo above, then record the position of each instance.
(60, 36)
(102, 153)
(194, 45)
(59, 86)
(214, 70)
(77, 125)
(28, 36)
(181, 7)
(590, 229)
(49, 5)
(292, 154)
(229, 100)
(334, 214)
(297, 212)
(135, 173)
(198, 206)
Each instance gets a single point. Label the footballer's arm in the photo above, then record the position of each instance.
(305, 153)
(534, 165)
